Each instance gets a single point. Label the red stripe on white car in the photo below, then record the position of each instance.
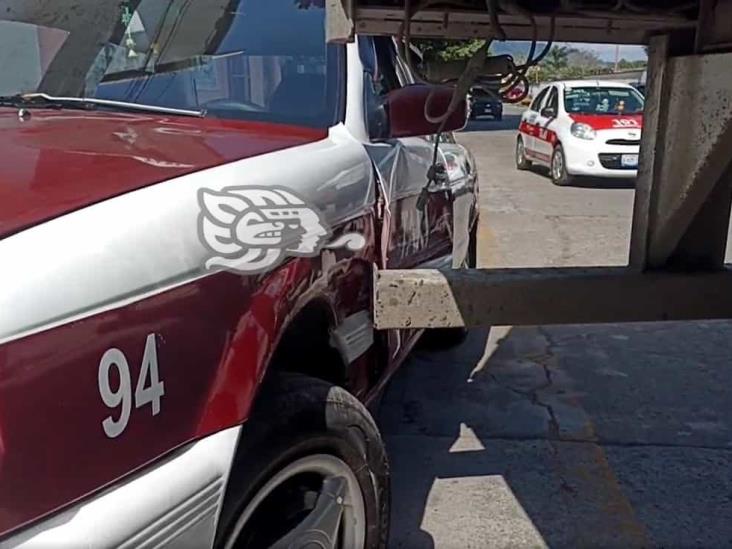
(536, 131)
(210, 342)
(609, 122)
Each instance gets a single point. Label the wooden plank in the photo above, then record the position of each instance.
(609, 26)
(600, 21)
(455, 298)
(464, 30)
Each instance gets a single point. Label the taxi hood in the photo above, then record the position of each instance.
(58, 161)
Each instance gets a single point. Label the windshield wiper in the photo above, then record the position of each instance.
(43, 100)
(29, 102)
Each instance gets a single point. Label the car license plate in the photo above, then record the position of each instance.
(629, 161)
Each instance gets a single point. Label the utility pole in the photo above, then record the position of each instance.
(617, 56)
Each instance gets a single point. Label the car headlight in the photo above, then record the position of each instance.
(583, 131)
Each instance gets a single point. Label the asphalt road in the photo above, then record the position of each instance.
(581, 436)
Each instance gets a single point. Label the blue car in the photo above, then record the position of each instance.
(484, 103)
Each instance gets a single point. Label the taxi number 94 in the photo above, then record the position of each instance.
(148, 389)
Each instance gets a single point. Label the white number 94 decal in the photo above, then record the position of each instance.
(149, 388)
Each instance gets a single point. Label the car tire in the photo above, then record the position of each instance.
(558, 168)
(498, 117)
(303, 429)
(522, 163)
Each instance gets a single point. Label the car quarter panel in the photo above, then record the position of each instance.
(130, 270)
(528, 125)
(174, 504)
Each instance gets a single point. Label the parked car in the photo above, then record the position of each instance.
(485, 103)
(640, 86)
(193, 204)
(582, 128)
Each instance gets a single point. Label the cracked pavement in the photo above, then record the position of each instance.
(594, 436)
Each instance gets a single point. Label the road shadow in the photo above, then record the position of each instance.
(564, 436)
(485, 124)
(603, 183)
(583, 182)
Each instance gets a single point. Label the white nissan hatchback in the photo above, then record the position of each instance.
(582, 128)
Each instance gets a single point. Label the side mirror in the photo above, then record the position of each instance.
(548, 112)
(406, 110)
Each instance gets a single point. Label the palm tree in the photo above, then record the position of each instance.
(556, 59)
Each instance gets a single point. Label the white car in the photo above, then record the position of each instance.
(582, 128)
(194, 200)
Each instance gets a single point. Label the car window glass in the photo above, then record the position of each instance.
(231, 58)
(539, 99)
(403, 73)
(386, 56)
(379, 79)
(603, 100)
(553, 100)
(367, 53)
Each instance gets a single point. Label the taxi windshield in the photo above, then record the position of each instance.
(237, 59)
(602, 100)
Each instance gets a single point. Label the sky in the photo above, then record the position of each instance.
(606, 52)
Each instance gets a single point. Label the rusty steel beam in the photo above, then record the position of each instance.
(470, 297)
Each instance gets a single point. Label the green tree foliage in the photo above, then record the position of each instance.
(449, 50)
(556, 60)
(561, 63)
(584, 60)
(564, 63)
(624, 65)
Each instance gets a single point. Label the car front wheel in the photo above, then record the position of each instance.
(311, 471)
(558, 168)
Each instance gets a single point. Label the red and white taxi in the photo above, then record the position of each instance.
(194, 198)
(582, 128)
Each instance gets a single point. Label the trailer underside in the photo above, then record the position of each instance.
(684, 187)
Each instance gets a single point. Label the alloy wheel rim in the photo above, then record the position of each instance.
(338, 509)
(557, 166)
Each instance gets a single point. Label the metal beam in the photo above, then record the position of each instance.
(443, 299)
